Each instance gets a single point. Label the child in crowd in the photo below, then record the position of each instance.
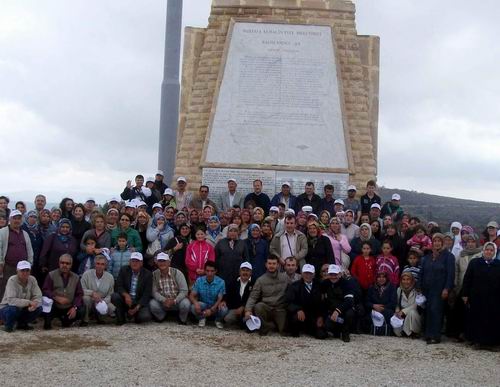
(120, 255)
(363, 268)
(86, 258)
(388, 263)
(413, 264)
(420, 241)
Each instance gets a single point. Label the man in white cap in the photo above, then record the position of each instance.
(133, 292)
(338, 295)
(64, 288)
(375, 214)
(170, 291)
(285, 197)
(267, 299)
(305, 305)
(351, 203)
(22, 300)
(237, 293)
(182, 196)
(15, 246)
(393, 208)
(292, 243)
(159, 184)
(156, 194)
(168, 199)
(98, 286)
(202, 200)
(231, 197)
(308, 198)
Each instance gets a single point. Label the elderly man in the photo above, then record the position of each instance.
(231, 197)
(308, 198)
(64, 288)
(182, 196)
(202, 200)
(40, 202)
(22, 300)
(230, 253)
(338, 295)
(305, 305)
(98, 287)
(15, 246)
(133, 292)
(292, 243)
(267, 299)
(170, 291)
(206, 297)
(237, 295)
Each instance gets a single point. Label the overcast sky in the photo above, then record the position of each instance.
(80, 94)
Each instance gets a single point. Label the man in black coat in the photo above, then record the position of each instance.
(133, 290)
(305, 306)
(308, 198)
(237, 293)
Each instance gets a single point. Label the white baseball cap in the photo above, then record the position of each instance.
(307, 209)
(130, 204)
(338, 201)
(113, 199)
(352, 188)
(136, 255)
(377, 318)
(163, 257)
(232, 180)
(47, 304)
(287, 183)
(141, 204)
(334, 269)
(307, 268)
(15, 213)
(181, 178)
(396, 197)
(420, 300)
(90, 200)
(151, 179)
(246, 265)
(253, 323)
(274, 208)
(157, 205)
(102, 308)
(396, 322)
(290, 211)
(376, 205)
(160, 172)
(169, 191)
(22, 265)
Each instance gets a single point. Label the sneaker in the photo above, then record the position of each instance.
(219, 324)
(25, 327)
(346, 337)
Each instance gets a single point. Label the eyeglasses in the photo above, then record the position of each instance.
(65, 263)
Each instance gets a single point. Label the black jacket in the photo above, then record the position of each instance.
(339, 295)
(233, 298)
(144, 284)
(303, 200)
(299, 298)
(320, 253)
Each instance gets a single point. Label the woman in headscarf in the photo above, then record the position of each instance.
(46, 226)
(376, 230)
(319, 247)
(214, 233)
(267, 231)
(324, 220)
(436, 280)
(398, 247)
(258, 215)
(198, 253)
(455, 230)
(158, 234)
(177, 246)
(381, 298)
(143, 221)
(55, 216)
(66, 208)
(31, 226)
(246, 220)
(78, 223)
(258, 250)
(407, 308)
(365, 235)
(458, 313)
(57, 244)
(480, 291)
(302, 222)
(230, 253)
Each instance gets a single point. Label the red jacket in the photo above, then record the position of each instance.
(364, 271)
(197, 254)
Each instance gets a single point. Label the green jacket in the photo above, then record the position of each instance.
(133, 238)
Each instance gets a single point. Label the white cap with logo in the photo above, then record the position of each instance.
(136, 255)
(307, 268)
(334, 269)
(246, 265)
(23, 265)
(163, 257)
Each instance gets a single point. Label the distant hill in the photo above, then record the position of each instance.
(445, 210)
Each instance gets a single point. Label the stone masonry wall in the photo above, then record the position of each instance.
(203, 57)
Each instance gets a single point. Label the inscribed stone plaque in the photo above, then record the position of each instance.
(279, 100)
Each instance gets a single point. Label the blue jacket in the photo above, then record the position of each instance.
(277, 200)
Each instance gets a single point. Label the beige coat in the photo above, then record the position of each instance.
(18, 295)
(461, 264)
(413, 320)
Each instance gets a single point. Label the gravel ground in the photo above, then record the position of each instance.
(168, 354)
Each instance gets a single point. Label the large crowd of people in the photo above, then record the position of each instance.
(312, 264)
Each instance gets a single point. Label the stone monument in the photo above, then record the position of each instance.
(281, 90)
